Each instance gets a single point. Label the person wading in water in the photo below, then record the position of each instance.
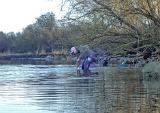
(85, 57)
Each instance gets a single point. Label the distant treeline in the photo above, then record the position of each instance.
(45, 35)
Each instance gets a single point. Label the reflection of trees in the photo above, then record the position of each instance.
(120, 91)
(114, 91)
(126, 94)
(151, 102)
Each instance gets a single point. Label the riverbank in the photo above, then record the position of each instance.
(38, 59)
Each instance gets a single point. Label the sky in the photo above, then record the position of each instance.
(17, 14)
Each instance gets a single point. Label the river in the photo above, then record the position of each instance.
(57, 89)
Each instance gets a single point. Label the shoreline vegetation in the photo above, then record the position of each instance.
(63, 57)
(37, 59)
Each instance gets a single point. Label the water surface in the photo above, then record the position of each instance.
(57, 89)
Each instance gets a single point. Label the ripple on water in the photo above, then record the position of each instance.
(57, 89)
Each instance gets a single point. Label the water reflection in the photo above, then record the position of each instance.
(57, 89)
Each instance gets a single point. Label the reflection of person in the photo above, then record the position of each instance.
(85, 57)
